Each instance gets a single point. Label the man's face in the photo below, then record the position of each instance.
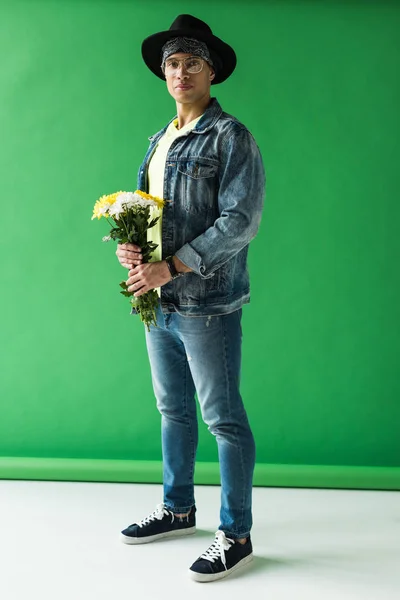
(188, 88)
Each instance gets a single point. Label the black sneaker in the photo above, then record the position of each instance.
(161, 523)
(222, 558)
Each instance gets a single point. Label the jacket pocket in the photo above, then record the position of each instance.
(198, 185)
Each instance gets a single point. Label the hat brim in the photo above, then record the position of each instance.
(152, 46)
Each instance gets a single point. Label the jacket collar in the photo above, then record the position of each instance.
(211, 115)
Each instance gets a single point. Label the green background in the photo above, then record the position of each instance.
(317, 83)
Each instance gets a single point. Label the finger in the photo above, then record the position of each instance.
(134, 280)
(131, 262)
(136, 287)
(142, 291)
(135, 259)
(135, 270)
(128, 254)
(131, 247)
(139, 283)
(131, 265)
(123, 252)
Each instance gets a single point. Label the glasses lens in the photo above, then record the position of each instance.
(192, 64)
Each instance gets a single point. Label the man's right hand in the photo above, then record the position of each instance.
(129, 255)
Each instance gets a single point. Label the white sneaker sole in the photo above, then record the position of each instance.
(126, 539)
(207, 577)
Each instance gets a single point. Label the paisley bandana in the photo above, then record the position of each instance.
(186, 45)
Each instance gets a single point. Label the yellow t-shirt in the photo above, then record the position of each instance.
(155, 176)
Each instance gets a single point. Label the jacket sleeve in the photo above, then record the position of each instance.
(240, 202)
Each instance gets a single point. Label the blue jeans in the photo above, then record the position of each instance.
(203, 355)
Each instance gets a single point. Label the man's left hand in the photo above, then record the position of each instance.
(148, 276)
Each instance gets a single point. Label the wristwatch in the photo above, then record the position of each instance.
(170, 264)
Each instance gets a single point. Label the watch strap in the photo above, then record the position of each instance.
(172, 269)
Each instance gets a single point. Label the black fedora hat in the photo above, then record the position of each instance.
(222, 55)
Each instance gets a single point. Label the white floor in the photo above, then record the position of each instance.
(61, 541)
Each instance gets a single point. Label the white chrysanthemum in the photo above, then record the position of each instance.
(117, 208)
(106, 238)
(104, 209)
(127, 200)
(142, 202)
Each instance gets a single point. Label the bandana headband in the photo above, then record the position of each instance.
(186, 45)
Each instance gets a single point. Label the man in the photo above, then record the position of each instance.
(208, 168)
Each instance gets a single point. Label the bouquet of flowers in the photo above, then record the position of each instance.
(128, 213)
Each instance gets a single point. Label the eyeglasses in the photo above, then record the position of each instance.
(192, 64)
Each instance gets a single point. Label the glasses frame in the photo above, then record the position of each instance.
(182, 61)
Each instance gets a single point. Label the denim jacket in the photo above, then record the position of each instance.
(214, 185)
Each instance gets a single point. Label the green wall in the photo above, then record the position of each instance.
(318, 85)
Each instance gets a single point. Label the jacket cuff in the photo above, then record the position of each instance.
(193, 260)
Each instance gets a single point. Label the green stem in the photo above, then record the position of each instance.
(126, 229)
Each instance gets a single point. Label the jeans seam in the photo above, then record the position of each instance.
(240, 447)
(189, 420)
(187, 423)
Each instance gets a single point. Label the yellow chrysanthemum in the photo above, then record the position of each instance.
(103, 203)
(158, 201)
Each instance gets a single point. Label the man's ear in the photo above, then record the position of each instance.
(212, 75)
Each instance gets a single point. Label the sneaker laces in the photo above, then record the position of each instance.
(218, 548)
(158, 515)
